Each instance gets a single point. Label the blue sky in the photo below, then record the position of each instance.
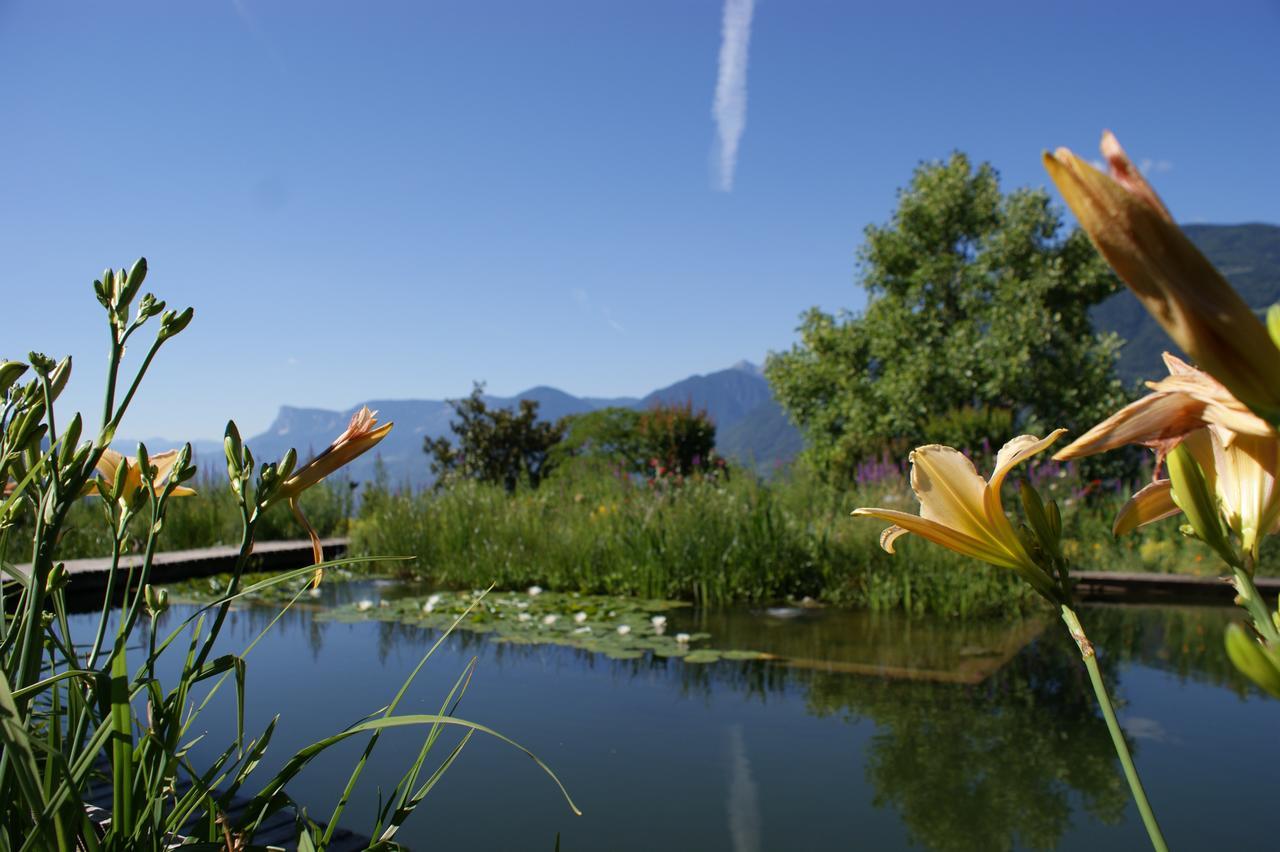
(392, 199)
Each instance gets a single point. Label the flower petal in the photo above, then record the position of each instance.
(1177, 285)
(1017, 451)
(1220, 407)
(1153, 503)
(952, 539)
(1154, 420)
(949, 489)
(889, 536)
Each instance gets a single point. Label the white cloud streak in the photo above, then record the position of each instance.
(730, 107)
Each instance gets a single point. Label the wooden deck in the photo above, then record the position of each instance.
(90, 575)
(1142, 587)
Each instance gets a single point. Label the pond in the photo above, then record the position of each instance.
(873, 732)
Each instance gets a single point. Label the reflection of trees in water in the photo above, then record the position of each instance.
(967, 767)
(1185, 641)
(991, 766)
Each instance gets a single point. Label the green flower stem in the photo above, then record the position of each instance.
(1117, 736)
(1251, 599)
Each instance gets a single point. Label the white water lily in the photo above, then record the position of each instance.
(582, 630)
(364, 605)
(524, 616)
(550, 619)
(534, 591)
(432, 602)
(659, 623)
(579, 617)
(683, 638)
(624, 629)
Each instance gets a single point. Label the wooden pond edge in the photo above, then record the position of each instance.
(89, 576)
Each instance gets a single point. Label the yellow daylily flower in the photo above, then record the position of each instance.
(1133, 230)
(1186, 400)
(963, 512)
(109, 464)
(1240, 470)
(360, 436)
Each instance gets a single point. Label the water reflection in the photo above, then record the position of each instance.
(979, 736)
(744, 797)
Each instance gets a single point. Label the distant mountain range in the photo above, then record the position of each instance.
(750, 426)
(1249, 257)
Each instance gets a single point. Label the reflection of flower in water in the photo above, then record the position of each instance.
(744, 797)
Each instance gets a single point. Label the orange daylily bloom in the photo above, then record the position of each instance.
(1133, 230)
(1186, 400)
(1240, 470)
(963, 512)
(110, 462)
(360, 436)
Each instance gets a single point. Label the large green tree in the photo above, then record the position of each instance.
(495, 444)
(977, 302)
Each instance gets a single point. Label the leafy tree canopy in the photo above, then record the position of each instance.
(664, 439)
(496, 445)
(975, 301)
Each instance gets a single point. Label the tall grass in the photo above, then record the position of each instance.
(741, 540)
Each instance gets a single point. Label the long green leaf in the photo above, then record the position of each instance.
(258, 808)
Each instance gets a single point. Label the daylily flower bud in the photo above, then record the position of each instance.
(157, 600)
(1174, 281)
(1196, 499)
(173, 322)
(133, 281)
(61, 374)
(10, 372)
(58, 578)
(1259, 664)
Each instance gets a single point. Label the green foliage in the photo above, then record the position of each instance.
(609, 435)
(680, 441)
(130, 695)
(496, 445)
(708, 541)
(660, 441)
(744, 539)
(976, 430)
(974, 301)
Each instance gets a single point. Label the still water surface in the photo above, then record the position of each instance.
(881, 733)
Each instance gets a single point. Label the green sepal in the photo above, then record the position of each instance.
(1198, 504)
(1253, 661)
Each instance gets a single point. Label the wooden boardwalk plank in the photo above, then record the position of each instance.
(90, 575)
(1136, 585)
